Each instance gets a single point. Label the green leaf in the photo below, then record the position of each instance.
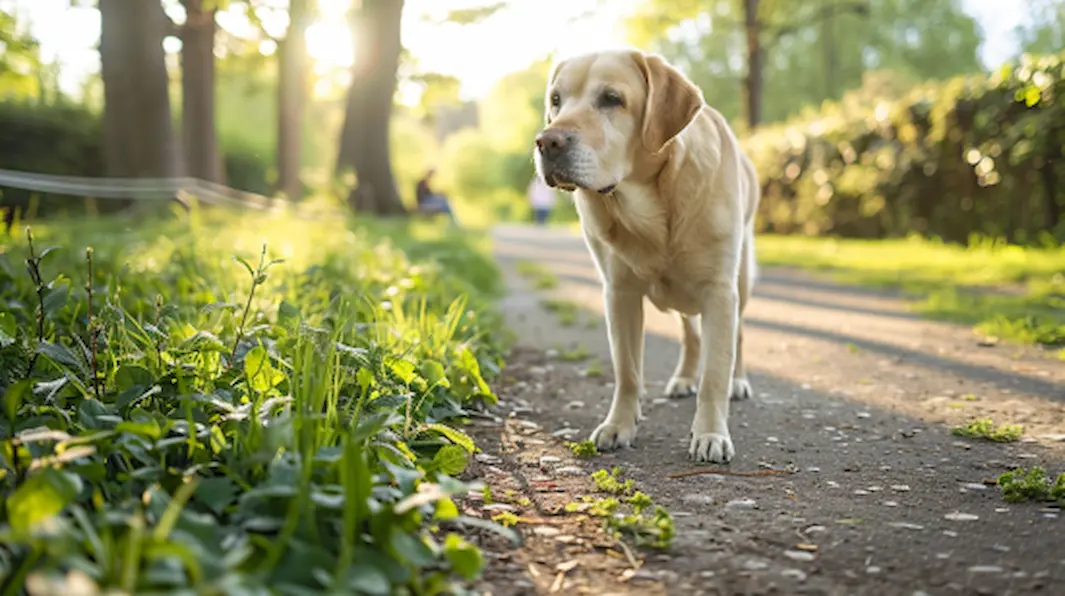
(251, 270)
(8, 329)
(288, 312)
(451, 460)
(367, 579)
(262, 376)
(216, 493)
(40, 498)
(131, 375)
(465, 558)
(434, 373)
(446, 509)
(1031, 95)
(404, 369)
(57, 296)
(59, 354)
(15, 396)
(454, 435)
(148, 428)
(365, 379)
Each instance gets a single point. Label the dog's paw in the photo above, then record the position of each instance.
(611, 435)
(679, 387)
(715, 448)
(741, 389)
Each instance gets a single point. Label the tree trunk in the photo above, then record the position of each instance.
(199, 135)
(364, 141)
(291, 95)
(137, 130)
(755, 56)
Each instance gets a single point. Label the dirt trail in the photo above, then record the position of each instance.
(852, 392)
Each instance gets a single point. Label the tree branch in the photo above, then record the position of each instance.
(778, 32)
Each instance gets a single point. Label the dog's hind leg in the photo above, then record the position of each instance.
(741, 386)
(685, 381)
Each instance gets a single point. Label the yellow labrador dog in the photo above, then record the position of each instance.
(666, 201)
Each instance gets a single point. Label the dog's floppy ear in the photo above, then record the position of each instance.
(550, 84)
(672, 101)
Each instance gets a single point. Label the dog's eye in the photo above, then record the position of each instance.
(556, 99)
(611, 99)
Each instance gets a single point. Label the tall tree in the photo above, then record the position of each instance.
(364, 140)
(199, 131)
(138, 134)
(292, 95)
(805, 52)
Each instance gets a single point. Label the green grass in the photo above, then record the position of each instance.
(204, 414)
(984, 428)
(565, 310)
(541, 276)
(1004, 291)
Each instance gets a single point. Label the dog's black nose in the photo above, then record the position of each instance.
(554, 142)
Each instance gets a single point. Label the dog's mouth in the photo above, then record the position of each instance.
(564, 183)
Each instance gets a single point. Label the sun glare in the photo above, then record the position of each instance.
(330, 43)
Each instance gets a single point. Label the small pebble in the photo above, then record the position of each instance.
(813, 469)
(861, 492)
(959, 516)
(795, 574)
(985, 569)
(741, 504)
(872, 570)
(549, 459)
(697, 499)
(755, 564)
(575, 405)
(907, 526)
(547, 531)
(891, 503)
(570, 471)
(900, 488)
(864, 414)
(798, 555)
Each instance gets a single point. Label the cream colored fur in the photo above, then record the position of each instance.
(666, 202)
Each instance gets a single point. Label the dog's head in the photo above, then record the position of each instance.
(606, 110)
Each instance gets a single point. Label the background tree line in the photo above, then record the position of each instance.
(239, 115)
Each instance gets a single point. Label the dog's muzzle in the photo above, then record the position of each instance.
(555, 147)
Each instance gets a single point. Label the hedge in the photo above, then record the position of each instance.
(66, 139)
(972, 156)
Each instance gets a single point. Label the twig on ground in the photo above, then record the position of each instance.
(629, 555)
(718, 472)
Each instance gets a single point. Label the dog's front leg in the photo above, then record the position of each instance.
(624, 320)
(720, 317)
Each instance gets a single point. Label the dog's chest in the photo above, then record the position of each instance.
(635, 230)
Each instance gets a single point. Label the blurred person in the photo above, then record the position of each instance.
(429, 201)
(542, 199)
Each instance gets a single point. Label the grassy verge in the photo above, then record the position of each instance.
(1004, 291)
(187, 409)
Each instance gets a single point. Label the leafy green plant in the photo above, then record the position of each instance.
(584, 449)
(610, 482)
(296, 435)
(984, 428)
(1034, 485)
(542, 277)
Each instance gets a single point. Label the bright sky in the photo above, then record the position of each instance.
(478, 55)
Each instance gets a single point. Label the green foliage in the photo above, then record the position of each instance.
(65, 139)
(984, 428)
(285, 428)
(1034, 485)
(610, 482)
(973, 155)
(584, 449)
(814, 51)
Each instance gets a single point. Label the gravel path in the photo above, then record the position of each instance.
(852, 392)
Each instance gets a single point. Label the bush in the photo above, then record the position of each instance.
(209, 425)
(65, 139)
(976, 155)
